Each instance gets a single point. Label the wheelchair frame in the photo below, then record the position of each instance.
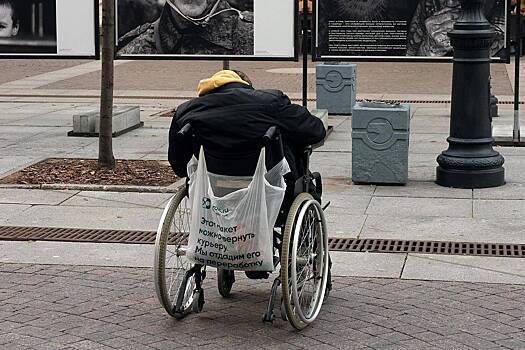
(298, 307)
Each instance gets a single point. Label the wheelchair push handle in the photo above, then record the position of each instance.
(185, 130)
(270, 135)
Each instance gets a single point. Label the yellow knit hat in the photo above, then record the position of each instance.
(219, 79)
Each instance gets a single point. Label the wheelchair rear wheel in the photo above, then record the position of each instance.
(171, 265)
(304, 261)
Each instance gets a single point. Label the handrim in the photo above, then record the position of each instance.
(314, 221)
(301, 204)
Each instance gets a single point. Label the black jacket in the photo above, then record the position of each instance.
(234, 117)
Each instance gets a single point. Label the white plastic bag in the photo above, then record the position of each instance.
(232, 217)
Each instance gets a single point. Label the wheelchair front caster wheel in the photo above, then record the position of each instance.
(268, 318)
(198, 301)
(225, 280)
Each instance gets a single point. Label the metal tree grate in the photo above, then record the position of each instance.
(9, 233)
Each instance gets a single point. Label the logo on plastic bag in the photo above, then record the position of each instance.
(220, 211)
(206, 204)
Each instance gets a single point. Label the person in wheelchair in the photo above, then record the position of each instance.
(231, 116)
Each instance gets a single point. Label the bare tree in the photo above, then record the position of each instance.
(105, 140)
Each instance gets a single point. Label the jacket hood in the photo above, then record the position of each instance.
(217, 80)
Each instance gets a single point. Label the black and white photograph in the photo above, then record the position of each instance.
(185, 27)
(49, 28)
(28, 27)
(390, 28)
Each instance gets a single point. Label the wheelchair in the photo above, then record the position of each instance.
(300, 244)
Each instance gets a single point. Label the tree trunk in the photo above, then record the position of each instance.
(105, 141)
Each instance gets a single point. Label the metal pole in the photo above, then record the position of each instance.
(517, 52)
(470, 161)
(41, 20)
(305, 52)
(33, 19)
(225, 65)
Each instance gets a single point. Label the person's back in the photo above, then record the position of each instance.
(230, 116)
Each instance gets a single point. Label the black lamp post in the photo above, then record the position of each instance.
(470, 161)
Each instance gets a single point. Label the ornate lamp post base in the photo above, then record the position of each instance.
(470, 161)
(470, 178)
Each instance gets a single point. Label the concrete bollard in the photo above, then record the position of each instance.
(336, 87)
(380, 140)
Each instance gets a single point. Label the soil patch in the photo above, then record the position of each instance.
(87, 171)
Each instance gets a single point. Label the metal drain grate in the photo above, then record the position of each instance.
(74, 235)
(12, 233)
(426, 247)
(8, 233)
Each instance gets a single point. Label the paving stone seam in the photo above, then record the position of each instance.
(403, 266)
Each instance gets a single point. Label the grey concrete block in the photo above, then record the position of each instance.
(124, 118)
(380, 143)
(336, 87)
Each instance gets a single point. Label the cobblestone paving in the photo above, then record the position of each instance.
(68, 307)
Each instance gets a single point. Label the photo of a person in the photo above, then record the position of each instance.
(193, 27)
(28, 26)
(434, 19)
(136, 13)
(9, 23)
(390, 28)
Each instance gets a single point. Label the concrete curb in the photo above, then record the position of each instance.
(173, 188)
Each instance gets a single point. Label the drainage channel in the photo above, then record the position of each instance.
(11, 233)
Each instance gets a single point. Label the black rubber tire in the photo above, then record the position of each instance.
(225, 280)
(163, 234)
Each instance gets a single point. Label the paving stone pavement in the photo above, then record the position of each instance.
(82, 307)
